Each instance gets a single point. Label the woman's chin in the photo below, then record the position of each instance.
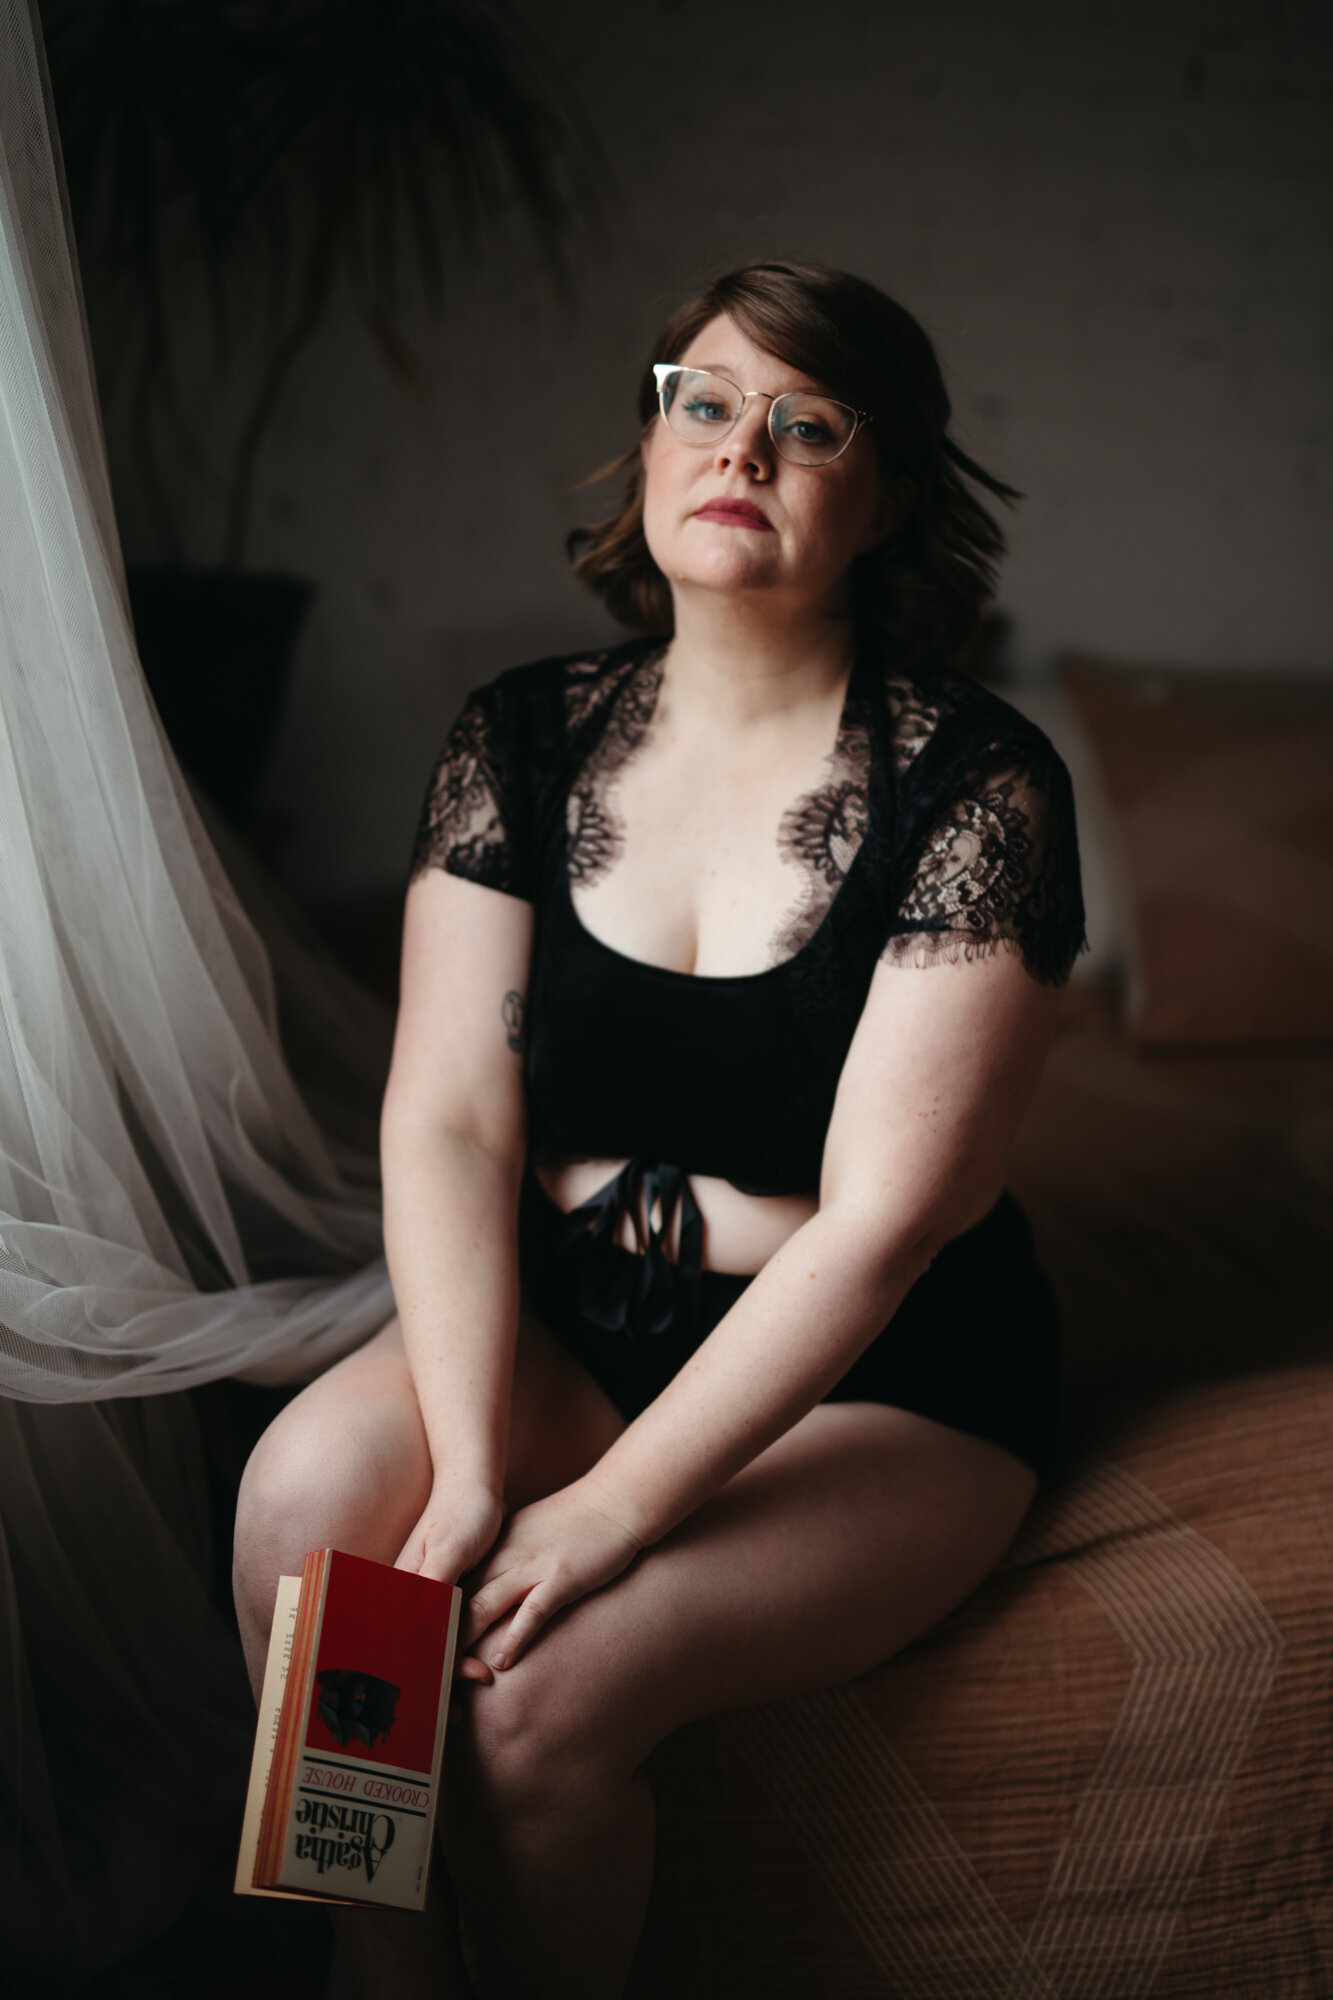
(728, 573)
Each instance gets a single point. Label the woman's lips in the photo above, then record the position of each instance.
(734, 514)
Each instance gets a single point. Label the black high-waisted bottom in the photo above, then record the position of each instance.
(975, 1343)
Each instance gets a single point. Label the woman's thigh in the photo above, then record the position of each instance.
(845, 1540)
(346, 1464)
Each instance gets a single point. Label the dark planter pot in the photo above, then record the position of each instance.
(217, 648)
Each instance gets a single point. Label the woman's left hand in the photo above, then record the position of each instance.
(549, 1555)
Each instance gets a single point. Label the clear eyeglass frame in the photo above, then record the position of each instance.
(785, 446)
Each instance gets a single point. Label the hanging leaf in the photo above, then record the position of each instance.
(280, 149)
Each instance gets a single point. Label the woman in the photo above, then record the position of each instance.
(722, 1367)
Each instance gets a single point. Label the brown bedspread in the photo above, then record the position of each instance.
(1108, 1775)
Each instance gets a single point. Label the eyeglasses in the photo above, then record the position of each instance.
(806, 428)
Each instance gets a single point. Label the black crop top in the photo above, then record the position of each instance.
(944, 828)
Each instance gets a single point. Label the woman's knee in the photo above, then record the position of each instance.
(563, 1721)
(344, 1466)
(523, 1753)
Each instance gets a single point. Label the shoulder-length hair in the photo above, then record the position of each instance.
(923, 589)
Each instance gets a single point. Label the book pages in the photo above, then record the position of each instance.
(266, 1736)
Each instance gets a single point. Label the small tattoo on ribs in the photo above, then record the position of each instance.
(512, 1012)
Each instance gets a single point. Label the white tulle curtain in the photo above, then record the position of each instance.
(171, 1210)
(188, 1180)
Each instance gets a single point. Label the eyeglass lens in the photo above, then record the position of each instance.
(806, 428)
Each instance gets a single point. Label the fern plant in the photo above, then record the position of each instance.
(278, 150)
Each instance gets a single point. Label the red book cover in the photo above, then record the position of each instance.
(350, 1786)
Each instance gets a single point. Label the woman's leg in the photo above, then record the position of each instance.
(346, 1465)
(848, 1538)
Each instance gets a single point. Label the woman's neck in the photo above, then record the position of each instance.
(746, 664)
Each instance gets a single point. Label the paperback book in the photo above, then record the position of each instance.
(346, 1772)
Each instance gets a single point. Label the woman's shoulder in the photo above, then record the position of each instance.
(943, 725)
(983, 845)
(553, 697)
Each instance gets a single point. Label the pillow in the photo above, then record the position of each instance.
(1222, 787)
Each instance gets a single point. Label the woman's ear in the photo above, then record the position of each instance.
(897, 497)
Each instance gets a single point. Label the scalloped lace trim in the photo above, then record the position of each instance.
(926, 948)
(596, 832)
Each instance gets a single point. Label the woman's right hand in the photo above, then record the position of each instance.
(458, 1528)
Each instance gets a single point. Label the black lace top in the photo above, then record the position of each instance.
(943, 827)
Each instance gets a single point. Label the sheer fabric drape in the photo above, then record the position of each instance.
(188, 1179)
(170, 1210)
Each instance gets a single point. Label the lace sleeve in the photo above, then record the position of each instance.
(999, 868)
(473, 822)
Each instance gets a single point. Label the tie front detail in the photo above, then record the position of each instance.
(643, 1294)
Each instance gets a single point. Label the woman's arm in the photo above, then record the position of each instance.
(940, 1071)
(452, 1145)
(938, 1076)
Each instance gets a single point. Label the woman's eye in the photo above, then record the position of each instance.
(808, 430)
(706, 409)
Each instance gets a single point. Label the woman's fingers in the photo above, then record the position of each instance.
(537, 1607)
(453, 1535)
(423, 1557)
(537, 1599)
(444, 1551)
(425, 1551)
(551, 1554)
(497, 1595)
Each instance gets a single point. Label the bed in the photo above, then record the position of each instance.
(1110, 1772)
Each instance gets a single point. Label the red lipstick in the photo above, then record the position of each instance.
(735, 514)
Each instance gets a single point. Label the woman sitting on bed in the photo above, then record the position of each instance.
(723, 1367)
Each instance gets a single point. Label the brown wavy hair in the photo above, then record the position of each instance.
(925, 588)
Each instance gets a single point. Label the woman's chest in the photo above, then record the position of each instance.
(710, 862)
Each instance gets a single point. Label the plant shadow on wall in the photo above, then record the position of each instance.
(255, 159)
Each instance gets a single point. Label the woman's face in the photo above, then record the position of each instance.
(798, 528)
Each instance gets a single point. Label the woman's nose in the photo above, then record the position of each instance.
(747, 444)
